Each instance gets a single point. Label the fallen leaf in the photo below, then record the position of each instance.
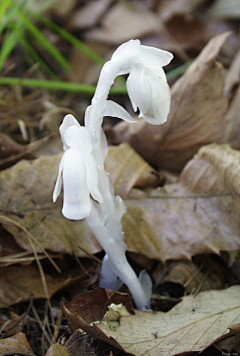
(190, 326)
(15, 287)
(57, 350)
(233, 119)
(193, 277)
(197, 215)
(232, 76)
(93, 305)
(123, 22)
(168, 9)
(196, 116)
(80, 344)
(15, 345)
(129, 170)
(11, 323)
(88, 15)
(230, 342)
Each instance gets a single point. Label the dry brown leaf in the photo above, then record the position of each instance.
(15, 345)
(232, 76)
(11, 323)
(57, 350)
(193, 277)
(190, 326)
(16, 288)
(168, 9)
(129, 170)
(93, 305)
(88, 15)
(230, 341)
(233, 118)
(200, 214)
(82, 68)
(196, 117)
(123, 22)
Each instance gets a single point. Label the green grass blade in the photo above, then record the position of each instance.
(3, 8)
(58, 85)
(68, 37)
(9, 18)
(10, 41)
(33, 57)
(44, 42)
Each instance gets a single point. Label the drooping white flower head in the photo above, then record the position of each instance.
(77, 170)
(147, 85)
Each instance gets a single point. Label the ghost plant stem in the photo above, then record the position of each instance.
(88, 189)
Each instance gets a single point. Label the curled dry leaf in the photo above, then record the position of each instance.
(16, 345)
(196, 117)
(190, 326)
(199, 214)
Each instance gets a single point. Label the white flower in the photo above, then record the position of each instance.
(147, 85)
(78, 171)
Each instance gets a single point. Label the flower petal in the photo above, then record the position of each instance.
(139, 88)
(78, 137)
(92, 176)
(58, 184)
(152, 57)
(128, 50)
(76, 197)
(115, 110)
(161, 98)
(69, 120)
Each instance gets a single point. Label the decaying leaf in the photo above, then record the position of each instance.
(196, 117)
(57, 350)
(123, 22)
(11, 323)
(16, 288)
(88, 15)
(193, 277)
(93, 305)
(199, 214)
(15, 345)
(190, 326)
(129, 170)
(233, 118)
